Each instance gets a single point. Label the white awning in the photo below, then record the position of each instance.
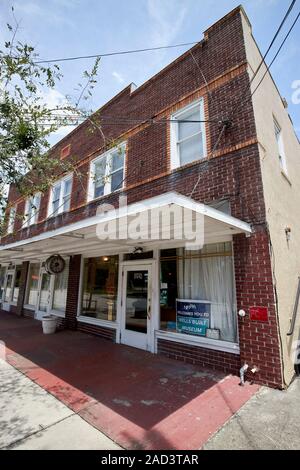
(81, 237)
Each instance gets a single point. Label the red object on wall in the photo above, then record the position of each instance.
(65, 152)
(259, 314)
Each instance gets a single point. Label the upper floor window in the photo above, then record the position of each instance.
(281, 153)
(60, 197)
(188, 135)
(32, 210)
(11, 219)
(107, 172)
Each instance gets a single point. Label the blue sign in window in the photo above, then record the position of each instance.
(192, 317)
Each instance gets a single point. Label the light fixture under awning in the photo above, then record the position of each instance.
(81, 237)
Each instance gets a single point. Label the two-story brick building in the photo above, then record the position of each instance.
(191, 139)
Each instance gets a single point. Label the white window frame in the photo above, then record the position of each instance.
(11, 219)
(11, 270)
(31, 218)
(280, 146)
(175, 155)
(108, 173)
(62, 183)
(28, 306)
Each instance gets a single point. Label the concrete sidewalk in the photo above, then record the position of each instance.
(270, 420)
(31, 418)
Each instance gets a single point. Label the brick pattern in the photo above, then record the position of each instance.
(233, 174)
(259, 341)
(73, 292)
(22, 289)
(105, 333)
(28, 313)
(218, 360)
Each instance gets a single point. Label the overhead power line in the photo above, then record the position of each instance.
(248, 86)
(277, 53)
(241, 103)
(108, 54)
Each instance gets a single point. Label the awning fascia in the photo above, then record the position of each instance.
(133, 209)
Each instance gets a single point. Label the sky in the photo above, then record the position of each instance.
(62, 28)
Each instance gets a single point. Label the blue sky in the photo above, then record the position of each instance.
(61, 28)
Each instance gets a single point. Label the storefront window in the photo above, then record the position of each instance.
(197, 294)
(2, 279)
(17, 284)
(32, 286)
(100, 287)
(60, 289)
(8, 290)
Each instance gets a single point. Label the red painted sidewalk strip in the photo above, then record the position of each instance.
(139, 400)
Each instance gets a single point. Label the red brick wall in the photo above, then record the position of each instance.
(232, 172)
(226, 362)
(73, 292)
(22, 289)
(259, 341)
(105, 333)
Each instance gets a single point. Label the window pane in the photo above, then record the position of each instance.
(66, 202)
(55, 206)
(7, 296)
(197, 294)
(45, 292)
(99, 178)
(55, 199)
(32, 288)
(2, 279)
(117, 180)
(17, 284)
(117, 160)
(186, 129)
(191, 149)
(67, 186)
(56, 192)
(60, 289)
(11, 219)
(100, 287)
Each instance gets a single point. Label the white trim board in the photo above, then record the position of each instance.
(133, 209)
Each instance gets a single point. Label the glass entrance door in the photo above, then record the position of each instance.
(136, 306)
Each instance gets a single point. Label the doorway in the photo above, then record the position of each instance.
(136, 305)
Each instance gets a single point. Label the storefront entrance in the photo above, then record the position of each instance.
(136, 305)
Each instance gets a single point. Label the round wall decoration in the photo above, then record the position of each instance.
(55, 264)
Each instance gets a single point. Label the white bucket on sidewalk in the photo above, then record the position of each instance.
(49, 323)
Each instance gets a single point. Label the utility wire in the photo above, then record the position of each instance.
(277, 53)
(108, 54)
(255, 74)
(264, 57)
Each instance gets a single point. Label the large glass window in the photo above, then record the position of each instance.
(107, 172)
(17, 284)
(100, 287)
(188, 135)
(32, 285)
(8, 289)
(60, 289)
(197, 295)
(2, 280)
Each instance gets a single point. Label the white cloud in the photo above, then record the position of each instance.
(53, 98)
(118, 77)
(31, 8)
(166, 17)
